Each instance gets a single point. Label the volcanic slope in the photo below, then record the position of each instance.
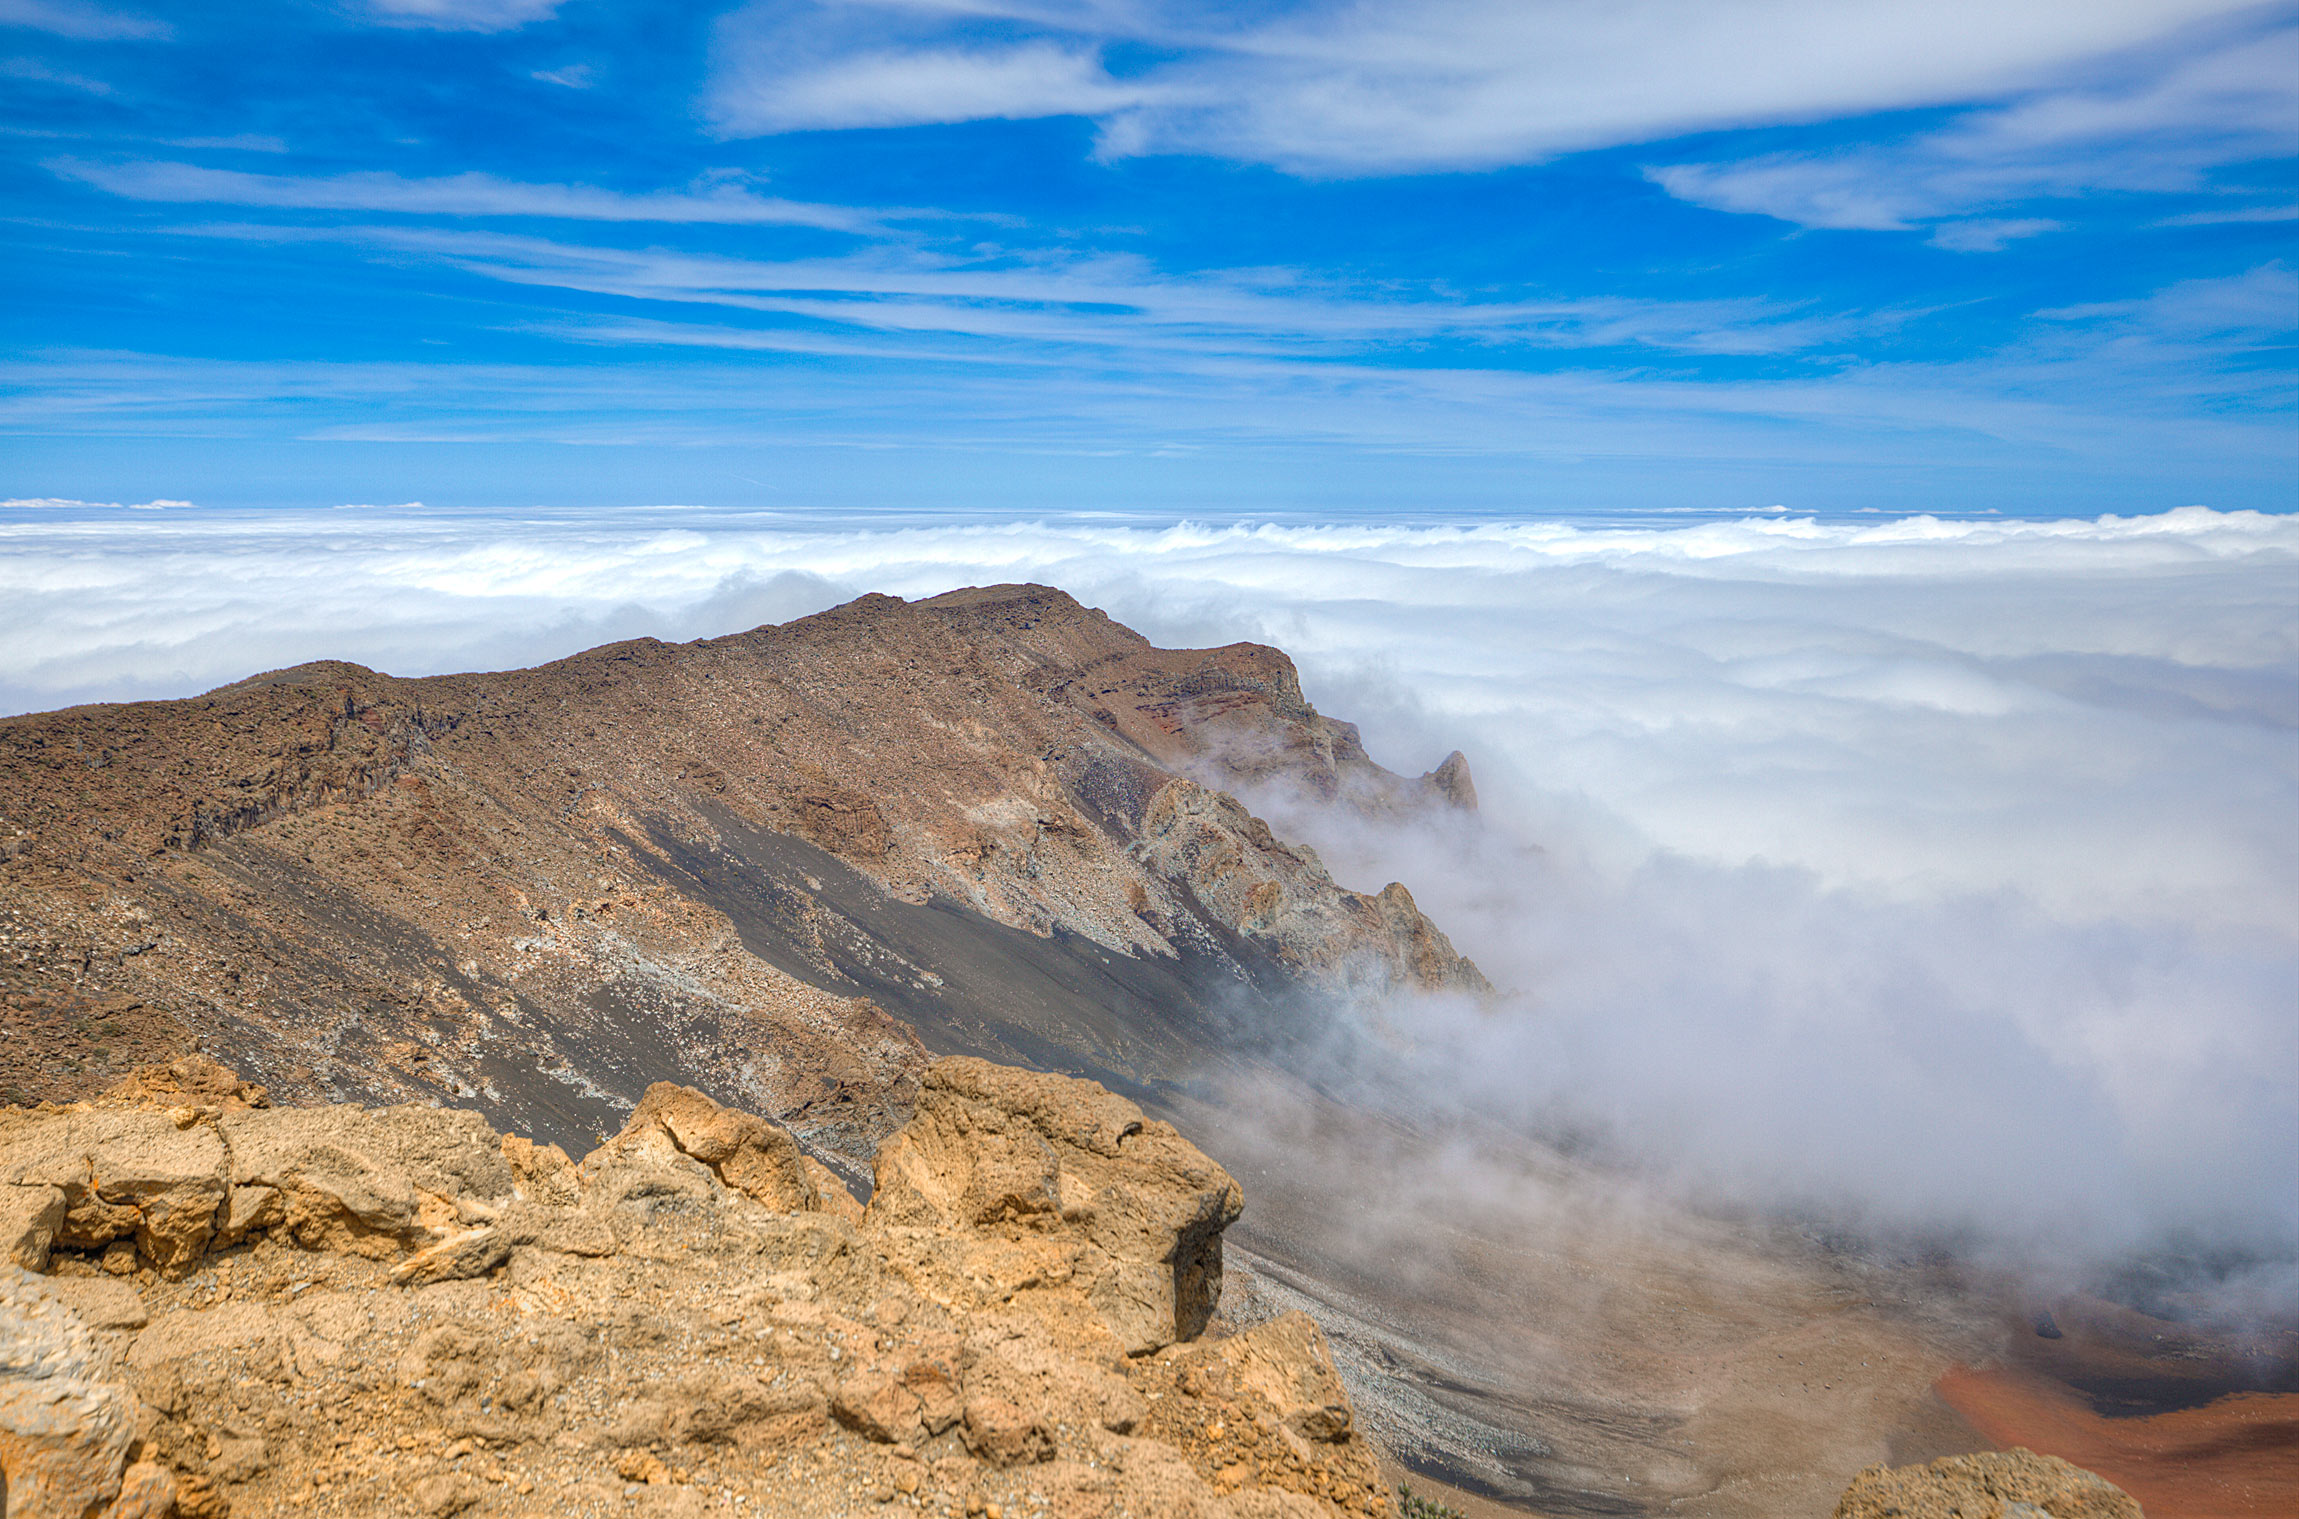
(783, 866)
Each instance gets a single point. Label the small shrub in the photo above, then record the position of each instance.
(1413, 1506)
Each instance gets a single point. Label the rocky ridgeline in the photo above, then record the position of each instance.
(780, 865)
(220, 1307)
(1996, 1484)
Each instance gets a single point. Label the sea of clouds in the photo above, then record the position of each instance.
(1942, 872)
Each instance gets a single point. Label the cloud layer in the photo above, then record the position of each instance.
(1940, 871)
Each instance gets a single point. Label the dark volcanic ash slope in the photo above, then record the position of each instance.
(781, 865)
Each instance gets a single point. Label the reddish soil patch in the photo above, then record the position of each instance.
(2234, 1458)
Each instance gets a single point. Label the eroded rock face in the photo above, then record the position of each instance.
(174, 1180)
(1130, 1210)
(399, 1306)
(67, 1418)
(2000, 1484)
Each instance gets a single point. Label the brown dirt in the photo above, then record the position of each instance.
(2234, 1458)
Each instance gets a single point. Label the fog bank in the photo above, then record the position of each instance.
(1946, 872)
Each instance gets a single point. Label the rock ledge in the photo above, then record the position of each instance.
(219, 1307)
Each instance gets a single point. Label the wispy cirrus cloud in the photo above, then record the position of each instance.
(65, 504)
(1988, 234)
(236, 142)
(922, 86)
(1372, 86)
(575, 76)
(469, 194)
(2086, 389)
(2256, 309)
(34, 71)
(463, 15)
(2157, 132)
(1112, 300)
(2224, 216)
(81, 20)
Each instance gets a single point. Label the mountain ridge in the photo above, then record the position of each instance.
(722, 861)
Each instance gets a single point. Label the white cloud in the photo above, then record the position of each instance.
(2258, 308)
(77, 18)
(1353, 86)
(2233, 215)
(2162, 131)
(463, 15)
(1983, 235)
(914, 87)
(576, 76)
(240, 142)
(451, 195)
(1949, 869)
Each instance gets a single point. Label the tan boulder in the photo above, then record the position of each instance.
(1005, 1433)
(370, 1182)
(148, 1490)
(752, 1156)
(1997, 1484)
(543, 1172)
(877, 1402)
(30, 1215)
(996, 1149)
(66, 1421)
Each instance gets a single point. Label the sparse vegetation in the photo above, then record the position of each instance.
(1413, 1506)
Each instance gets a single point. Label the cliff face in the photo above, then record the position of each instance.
(784, 865)
(232, 1308)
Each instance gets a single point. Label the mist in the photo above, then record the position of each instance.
(1941, 875)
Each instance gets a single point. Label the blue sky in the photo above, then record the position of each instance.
(1446, 257)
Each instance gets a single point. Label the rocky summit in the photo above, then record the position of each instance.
(218, 1306)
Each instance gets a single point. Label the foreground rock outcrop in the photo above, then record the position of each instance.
(1997, 1484)
(216, 1307)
